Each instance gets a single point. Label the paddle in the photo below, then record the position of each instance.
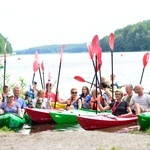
(5, 46)
(35, 68)
(145, 61)
(95, 49)
(62, 49)
(49, 90)
(42, 67)
(111, 44)
(78, 78)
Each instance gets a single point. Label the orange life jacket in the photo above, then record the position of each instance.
(93, 103)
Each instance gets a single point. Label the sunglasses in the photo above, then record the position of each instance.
(117, 94)
(73, 92)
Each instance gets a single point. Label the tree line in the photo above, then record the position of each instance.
(3, 40)
(131, 38)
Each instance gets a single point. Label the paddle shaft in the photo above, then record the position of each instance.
(112, 75)
(57, 84)
(142, 75)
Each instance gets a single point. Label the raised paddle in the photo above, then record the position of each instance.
(111, 44)
(78, 78)
(5, 46)
(145, 61)
(35, 68)
(42, 67)
(61, 51)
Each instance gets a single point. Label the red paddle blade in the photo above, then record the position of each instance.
(99, 54)
(95, 44)
(62, 49)
(42, 66)
(36, 56)
(145, 59)
(111, 41)
(35, 66)
(89, 47)
(79, 78)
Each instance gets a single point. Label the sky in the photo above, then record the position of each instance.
(31, 23)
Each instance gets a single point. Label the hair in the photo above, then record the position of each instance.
(86, 87)
(40, 92)
(94, 91)
(130, 85)
(73, 89)
(120, 91)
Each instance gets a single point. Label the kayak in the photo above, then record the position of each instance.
(101, 121)
(39, 115)
(144, 120)
(12, 121)
(70, 116)
(58, 105)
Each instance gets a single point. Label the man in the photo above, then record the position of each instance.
(140, 101)
(129, 91)
(18, 99)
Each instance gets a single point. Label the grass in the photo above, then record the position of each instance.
(5, 129)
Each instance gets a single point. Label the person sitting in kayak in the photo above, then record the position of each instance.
(17, 98)
(11, 106)
(106, 92)
(74, 102)
(118, 107)
(1, 100)
(40, 101)
(95, 98)
(115, 83)
(85, 97)
(140, 101)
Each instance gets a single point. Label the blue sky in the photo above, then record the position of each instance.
(31, 23)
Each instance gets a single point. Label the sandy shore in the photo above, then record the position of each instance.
(74, 140)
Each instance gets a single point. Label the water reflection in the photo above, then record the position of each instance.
(73, 127)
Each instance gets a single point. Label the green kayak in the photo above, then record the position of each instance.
(144, 120)
(70, 116)
(12, 121)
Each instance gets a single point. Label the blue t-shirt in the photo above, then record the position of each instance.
(21, 102)
(13, 109)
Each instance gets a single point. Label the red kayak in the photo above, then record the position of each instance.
(104, 121)
(39, 115)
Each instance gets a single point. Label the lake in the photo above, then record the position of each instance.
(127, 67)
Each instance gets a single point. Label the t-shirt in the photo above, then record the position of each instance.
(13, 109)
(143, 100)
(119, 108)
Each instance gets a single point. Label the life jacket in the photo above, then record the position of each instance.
(93, 103)
(74, 103)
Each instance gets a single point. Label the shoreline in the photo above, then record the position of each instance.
(67, 140)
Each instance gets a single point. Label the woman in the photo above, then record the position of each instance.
(40, 101)
(85, 97)
(11, 106)
(119, 107)
(74, 102)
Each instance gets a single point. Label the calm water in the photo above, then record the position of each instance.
(74, 127)
(127, 67)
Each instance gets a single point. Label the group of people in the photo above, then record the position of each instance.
(132, 101)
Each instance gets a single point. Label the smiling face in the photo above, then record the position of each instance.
(118, 95)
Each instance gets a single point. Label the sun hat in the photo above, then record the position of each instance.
(10, 94)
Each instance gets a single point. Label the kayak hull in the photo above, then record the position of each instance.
(70, 116)
(39, 115)
(104, 121)
(11, 121)
(144, 120)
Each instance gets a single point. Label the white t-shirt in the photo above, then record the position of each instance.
(143, 100)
